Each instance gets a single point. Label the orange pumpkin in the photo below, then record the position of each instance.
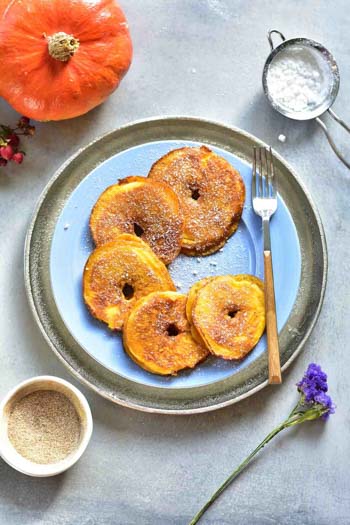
(3, 4)
(61, 58)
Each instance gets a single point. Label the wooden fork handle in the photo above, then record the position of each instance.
(275, 377)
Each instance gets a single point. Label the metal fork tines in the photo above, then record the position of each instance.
(264, 199)
(264, 193)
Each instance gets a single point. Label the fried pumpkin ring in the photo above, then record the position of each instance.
(157, 335)
(211, 194)
(229, 314)
(192, 294)
(141, 207)
(119, 273)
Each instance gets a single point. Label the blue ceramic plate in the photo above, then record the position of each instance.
(72, 244)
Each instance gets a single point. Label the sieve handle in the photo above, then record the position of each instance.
(329, 137)
(269, 37)
(339, 120)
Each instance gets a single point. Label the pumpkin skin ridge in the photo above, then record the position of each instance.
(43, 88)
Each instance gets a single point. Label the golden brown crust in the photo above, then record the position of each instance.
(192, 294)
(211, 194)
(229, 314)
(157, 335)
(141, 207)
(119, 273)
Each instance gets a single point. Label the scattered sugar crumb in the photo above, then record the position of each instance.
(193, 70)
(198, 259)
(282, 138)
(213, 263)
(194, 272)
(178, 285)
(66, 226)
(221, 250)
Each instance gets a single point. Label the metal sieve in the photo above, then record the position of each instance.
(327, 99)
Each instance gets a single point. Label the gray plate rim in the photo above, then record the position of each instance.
(33, 269)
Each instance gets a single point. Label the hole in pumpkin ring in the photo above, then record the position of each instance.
(138, 230)
(195, 194)
(232, 313)
(128, 291)
(172, 330)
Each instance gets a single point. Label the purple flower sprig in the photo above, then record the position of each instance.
(313, 388)
(314, 403)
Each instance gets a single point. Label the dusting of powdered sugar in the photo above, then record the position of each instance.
(299, 78)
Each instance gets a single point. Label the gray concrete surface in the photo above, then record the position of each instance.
(204, 58)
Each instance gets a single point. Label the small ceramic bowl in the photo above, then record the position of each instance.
(7, 450)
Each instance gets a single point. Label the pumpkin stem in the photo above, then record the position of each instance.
(62, 46)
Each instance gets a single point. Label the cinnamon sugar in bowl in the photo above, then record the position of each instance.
(45, 426)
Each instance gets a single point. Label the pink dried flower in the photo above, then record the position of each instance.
(23, 122)
(9, 141)
(18, 157)
(13, 140)
(6, 152)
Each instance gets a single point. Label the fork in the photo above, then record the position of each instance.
(264, 199)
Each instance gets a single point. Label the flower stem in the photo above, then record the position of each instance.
(298, 415)
(237, 471)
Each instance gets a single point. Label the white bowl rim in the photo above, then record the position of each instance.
(25, 466)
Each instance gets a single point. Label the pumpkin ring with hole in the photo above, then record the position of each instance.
(211, 194)
(119, 273)
(142, 207)
(157, 335)
(229, 314)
